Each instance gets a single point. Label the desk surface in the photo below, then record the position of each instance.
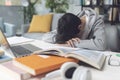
(108, 72)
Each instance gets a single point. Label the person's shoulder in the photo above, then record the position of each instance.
(88, 9)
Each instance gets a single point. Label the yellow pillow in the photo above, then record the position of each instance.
(41, 23)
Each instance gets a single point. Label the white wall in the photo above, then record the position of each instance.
(12, 14)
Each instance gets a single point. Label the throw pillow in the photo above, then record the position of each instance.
(41, 23)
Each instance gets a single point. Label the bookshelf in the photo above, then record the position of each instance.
(110, 9)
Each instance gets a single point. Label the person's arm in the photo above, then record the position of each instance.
(49, 37)
(97, 41)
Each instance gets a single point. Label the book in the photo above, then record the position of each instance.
(108, 2)
(38, 77)
(87, 2)
(97, 10)
(91, 57)
(39, 64)
(16, 73)
(4, 58)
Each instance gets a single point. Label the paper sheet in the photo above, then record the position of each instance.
(17, 40)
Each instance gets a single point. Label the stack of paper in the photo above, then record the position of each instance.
(17, 40)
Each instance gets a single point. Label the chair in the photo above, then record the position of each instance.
(112, 36)
(7, 28)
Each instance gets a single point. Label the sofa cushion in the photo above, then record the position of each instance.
(2, 24)
(41, 35)
(56, 17)
(41, 23)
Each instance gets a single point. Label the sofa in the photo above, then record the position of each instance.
(112, 33)
(113, 37)
(39, 35)
(7, 28)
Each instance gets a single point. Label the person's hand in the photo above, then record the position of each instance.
(73, 41)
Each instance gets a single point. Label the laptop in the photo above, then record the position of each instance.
(17, 50)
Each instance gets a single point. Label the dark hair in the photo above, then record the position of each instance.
(67, 27)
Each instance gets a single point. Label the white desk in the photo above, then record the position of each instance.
(108, 72)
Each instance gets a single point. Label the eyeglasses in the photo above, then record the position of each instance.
(114, 60)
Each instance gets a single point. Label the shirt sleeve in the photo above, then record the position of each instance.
(49, 37)
(97, 40)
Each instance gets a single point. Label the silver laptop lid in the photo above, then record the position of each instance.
(4, 44)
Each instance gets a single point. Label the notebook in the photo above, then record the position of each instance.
(40, 64)
(7, 68)
(17, 50)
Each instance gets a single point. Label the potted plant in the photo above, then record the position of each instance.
(29, 9)
(58, 6)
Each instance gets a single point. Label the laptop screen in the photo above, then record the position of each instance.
(4, 43)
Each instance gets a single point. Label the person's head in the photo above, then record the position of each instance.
(67, 28)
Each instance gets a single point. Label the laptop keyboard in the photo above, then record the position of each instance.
(20, 50)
